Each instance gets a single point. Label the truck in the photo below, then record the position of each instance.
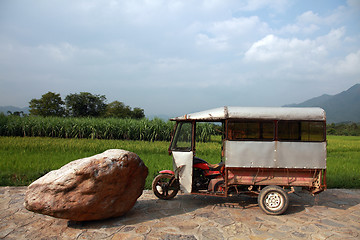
(266, 152)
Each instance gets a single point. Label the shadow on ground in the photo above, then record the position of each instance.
(153, 208)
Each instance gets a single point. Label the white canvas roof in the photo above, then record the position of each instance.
(280, 113)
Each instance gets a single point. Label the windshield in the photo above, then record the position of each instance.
(182, 138)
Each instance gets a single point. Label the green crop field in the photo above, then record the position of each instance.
(24, 159)
(94, 128)
(343, 162)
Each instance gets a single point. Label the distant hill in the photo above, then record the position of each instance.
(342, 107)
(13, 109)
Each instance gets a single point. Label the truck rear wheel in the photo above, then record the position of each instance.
(273, 200)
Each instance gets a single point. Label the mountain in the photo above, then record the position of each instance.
(13, 109)
(342, 107)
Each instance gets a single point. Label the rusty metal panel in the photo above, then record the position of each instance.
(266, 176)
(301, 155)
(274, 154)
(249, 154)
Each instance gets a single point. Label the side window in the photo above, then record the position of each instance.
(252, 130)
(268, 130)
(313, 131)
(182, 138)
(305, 131)
(289, 130)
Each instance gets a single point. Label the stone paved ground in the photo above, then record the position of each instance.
(334, 214)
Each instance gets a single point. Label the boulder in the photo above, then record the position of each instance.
(98, 187)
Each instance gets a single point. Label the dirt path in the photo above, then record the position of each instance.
(334, 214)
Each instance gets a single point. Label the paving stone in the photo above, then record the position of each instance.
(212, 234)
(224, 221)
(321, 226)
(279, 235)
(331, 223)
(143, 230)
(127, 236)
(5, 232)
(178, 237)
(308, 229)
(237, 229)
(333, 214)
(286, 228)
(187, 225)
(299, 235)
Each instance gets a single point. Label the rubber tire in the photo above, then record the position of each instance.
(273, 200)
(162, 181)
(218, 185)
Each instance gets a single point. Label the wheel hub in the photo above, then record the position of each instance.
(273, 201)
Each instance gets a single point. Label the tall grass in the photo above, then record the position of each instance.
(94, 128)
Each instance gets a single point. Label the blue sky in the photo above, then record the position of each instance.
(172, 57)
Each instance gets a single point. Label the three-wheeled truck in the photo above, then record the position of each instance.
(265, 152)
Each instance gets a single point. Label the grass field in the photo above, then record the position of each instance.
(343, 162)
(24, 159)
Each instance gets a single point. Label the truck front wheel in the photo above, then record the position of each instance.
(165, 186)
(273, 200)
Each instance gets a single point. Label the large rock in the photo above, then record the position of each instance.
(98, 187)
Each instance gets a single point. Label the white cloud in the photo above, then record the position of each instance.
(218, 46)
(231, 33)
(273, 48)
(239, 26)
(171, 64)
(296, 29)
(253, 5)
(349, 65)
(310, 18)
(310, 22)
(333, 39)
(295, 61)
(61, 52)
(215, 43)
(66, 53)
(212, 4)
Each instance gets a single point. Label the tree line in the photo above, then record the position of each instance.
(343, 129)
(83, 104)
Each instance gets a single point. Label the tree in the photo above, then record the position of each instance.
(120, 110)
(117, 109)
(138, 113)
(85, 104)
(16, 113)
(50, 104)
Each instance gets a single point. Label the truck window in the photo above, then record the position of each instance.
(289, 130)
(313, 131)
(305, 131)
(182, 137)
(251, 130)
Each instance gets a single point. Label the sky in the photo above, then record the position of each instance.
(172, 57)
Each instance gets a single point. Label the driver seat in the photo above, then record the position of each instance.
(212, 167)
